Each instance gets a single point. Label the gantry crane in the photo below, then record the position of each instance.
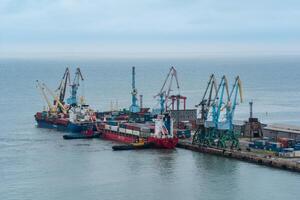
(72, 100)
(166, 89)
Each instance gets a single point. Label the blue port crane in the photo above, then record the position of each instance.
(165, 90)
(228, 132)
(134, 108)
(218, 105)
(72, 100)
(218, 102)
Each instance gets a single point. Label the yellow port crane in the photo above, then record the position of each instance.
(51, 108)
(63, 109)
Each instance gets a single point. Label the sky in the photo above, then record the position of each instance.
(148, 28)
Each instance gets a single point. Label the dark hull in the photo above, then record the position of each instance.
(80, 136)
(132, 147)
(69, 127)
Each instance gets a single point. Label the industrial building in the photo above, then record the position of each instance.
(280, 130)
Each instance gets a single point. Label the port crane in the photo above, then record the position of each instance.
(51, 108)
(134, 108)
(63, 85)
(228, 127)
(207, 99)
(56, 98)
(212, 122)
(212, 103)
(72, 100)
(218, 102)
(166, 89)
(205, 105)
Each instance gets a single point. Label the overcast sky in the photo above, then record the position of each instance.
(129, 28)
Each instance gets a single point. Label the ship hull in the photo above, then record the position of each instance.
(65, 127)
(164, 143)
(116, 136)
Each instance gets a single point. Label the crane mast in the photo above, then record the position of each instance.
(134, 108)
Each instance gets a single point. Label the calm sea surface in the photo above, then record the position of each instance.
(39, 164)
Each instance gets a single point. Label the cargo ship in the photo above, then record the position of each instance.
(78, 119)
(74, 116)
(160, 133)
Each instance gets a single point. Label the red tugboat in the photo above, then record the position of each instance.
(159, 134)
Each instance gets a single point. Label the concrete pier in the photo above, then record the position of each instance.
(271, 161)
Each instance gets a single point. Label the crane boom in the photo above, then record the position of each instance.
(63, 85)
(206, 101)
(164, 92)
(56, 99)
(218, 102)
(231, 105)
(42, 89)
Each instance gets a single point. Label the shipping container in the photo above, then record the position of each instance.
(137, 133)
(129, 131)
(114, 128)
(122, 130)
(145, 134)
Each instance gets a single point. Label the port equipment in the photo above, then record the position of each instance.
(177, 98)
(134, 108)
(166, 89)
(205, 104)
(72, 100)
(208, 97)
(227, 128)
(63, 85)
(214, 131)
(52, 109)
(60, 104)
(212, 122)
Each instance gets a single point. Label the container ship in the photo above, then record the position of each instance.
(159, 134)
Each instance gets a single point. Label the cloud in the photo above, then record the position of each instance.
(63, 24)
